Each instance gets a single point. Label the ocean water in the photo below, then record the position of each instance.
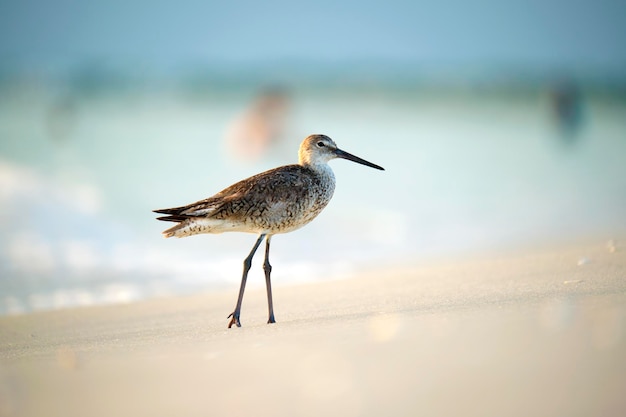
(467, 170)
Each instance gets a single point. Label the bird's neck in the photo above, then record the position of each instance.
(321, 168)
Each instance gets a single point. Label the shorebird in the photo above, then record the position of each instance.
(280, 200)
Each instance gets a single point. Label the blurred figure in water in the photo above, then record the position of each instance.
(261, 128)
(60, 119)
(566, 104)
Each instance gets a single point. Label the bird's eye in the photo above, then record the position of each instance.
(320, 144)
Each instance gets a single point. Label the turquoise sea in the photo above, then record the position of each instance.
(469, 170)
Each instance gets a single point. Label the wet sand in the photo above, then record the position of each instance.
(538, 332)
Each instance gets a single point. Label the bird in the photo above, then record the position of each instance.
(273, 202)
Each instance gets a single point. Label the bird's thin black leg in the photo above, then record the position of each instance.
(246, 267)
(268, 270)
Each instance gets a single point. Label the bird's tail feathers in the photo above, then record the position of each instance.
(175, 210)
(173, 215)
(192, 220)
(173, 218)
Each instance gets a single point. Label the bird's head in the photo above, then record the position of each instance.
(319, 149)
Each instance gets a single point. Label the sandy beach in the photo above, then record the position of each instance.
(474, 267)
(538, 332)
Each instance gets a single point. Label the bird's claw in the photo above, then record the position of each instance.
(234, 319)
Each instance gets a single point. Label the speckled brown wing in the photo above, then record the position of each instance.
(270, 197)
(272, 200)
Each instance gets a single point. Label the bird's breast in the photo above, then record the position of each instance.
(304, 201)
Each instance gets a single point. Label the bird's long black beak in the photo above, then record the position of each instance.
(345, 155)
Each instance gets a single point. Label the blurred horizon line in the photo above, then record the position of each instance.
(355, 73)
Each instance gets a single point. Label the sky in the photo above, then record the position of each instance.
(536, 35)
